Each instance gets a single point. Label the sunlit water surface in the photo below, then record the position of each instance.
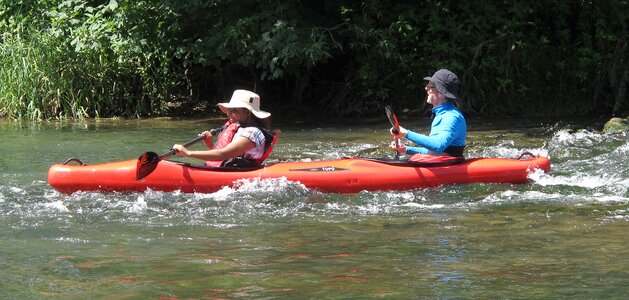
(562, 235)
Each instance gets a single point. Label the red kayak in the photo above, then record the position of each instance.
(348, 175)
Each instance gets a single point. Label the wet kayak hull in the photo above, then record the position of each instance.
(349, 175)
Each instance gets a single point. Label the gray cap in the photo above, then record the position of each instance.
(446, 82)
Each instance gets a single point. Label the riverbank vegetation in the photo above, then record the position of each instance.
(75, 59)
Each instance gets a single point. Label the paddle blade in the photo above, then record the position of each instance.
(392, 119)
(396, 127)
(147, 162)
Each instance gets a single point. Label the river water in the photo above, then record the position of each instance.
(564, 235)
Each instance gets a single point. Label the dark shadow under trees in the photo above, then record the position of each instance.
(333, 58)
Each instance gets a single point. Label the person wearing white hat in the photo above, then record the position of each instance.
(448, 129)
(245, 140)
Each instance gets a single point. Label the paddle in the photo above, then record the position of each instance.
(147, 162)
(396, 127)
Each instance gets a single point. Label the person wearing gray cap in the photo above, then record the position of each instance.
(448, 129)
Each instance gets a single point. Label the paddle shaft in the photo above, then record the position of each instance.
(396, 128)
(397, 145)
(187, 144)
(147, 162)
(191, 142)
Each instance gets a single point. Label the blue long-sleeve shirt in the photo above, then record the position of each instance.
(448, 129)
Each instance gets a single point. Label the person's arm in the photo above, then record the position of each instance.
(441, 136)
(208, 139)
(436, 141)
(416, 150)
(403, 133)
(237, 147)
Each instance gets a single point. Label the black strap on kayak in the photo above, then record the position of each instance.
(414, 164)
(224, 168)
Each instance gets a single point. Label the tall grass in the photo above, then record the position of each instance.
(42, 76)
(32, 84)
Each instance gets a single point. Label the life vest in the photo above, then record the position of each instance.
(456, 151)
(270, 138)
(227, 135)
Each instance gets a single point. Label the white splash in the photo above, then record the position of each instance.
(57, 205)
(17, 190)
(580, 137)
(506, 151)
(424, 206)
(622, 149)
(510, 196)
(254, 186)
(578, 180)
(138, 206)
(257, 185)
(402, 196)
(221, 195)
(71, 240)
(610, 198)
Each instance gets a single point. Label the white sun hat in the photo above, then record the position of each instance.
(245, 99)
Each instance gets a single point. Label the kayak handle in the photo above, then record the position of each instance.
(73, 159)
(527, 153)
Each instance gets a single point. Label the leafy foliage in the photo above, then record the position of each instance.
(77, 58)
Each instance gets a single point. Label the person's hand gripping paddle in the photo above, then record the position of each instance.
(396, 127)
(147, 162)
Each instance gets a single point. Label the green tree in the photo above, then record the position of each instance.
(157, 57)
